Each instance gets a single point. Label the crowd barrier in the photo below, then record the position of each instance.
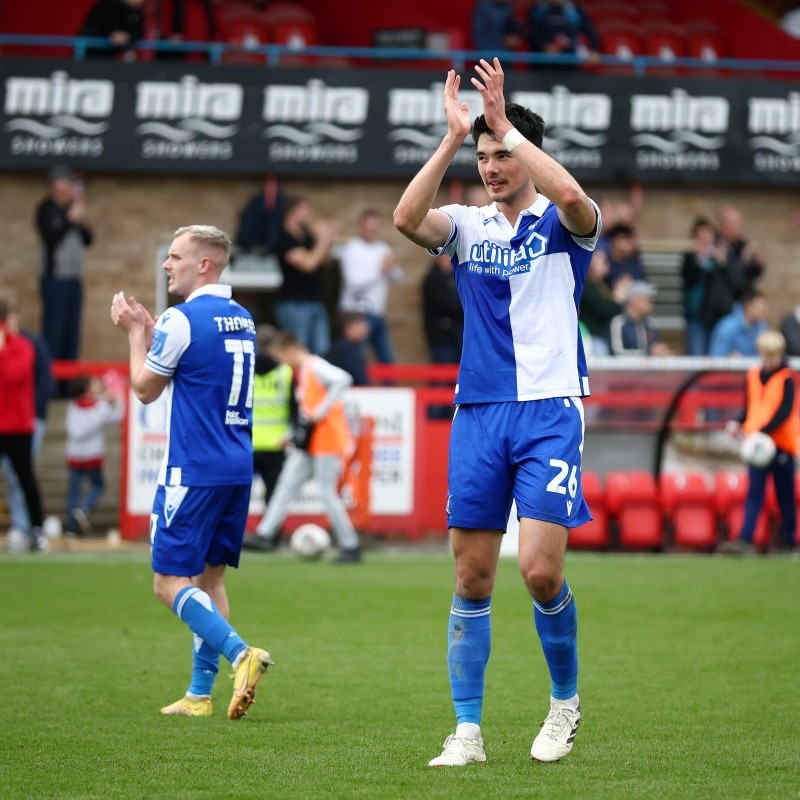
(409, 408)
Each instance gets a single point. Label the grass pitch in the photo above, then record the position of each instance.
(689, 682)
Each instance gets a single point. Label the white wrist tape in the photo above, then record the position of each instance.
(512, 139)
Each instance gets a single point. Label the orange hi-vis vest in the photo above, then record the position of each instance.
(763, 400)
(331, 435)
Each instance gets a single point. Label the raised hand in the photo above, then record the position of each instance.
(490, 86)
(128, 314)
(457, 113)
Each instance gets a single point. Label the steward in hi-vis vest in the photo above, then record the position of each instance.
(273, 401)
(772, 408)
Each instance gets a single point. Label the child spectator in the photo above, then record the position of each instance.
(88, 415)
(770, 408)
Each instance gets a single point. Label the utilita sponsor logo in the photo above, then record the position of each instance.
(417, 124)
(678, 131)
(314, 123)
(188, 119)
(774, 127)
(58, 115)
(576, 124)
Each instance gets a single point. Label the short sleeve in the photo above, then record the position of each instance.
(456, 214)
(171, 337)
(590, 242)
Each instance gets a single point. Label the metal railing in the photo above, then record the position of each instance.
(456, 59)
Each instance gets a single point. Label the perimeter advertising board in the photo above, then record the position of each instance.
(172, 118)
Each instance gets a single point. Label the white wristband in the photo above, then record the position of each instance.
(512, 139)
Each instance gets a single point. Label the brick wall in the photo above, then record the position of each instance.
(133, 215)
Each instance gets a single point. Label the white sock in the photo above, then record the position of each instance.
(192, 696)
(468, 730)
(571, 702)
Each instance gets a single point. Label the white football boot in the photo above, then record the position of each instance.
(459, 751)
(557, 733)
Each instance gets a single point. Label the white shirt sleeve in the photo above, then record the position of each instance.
(456, 214)
(171, 336)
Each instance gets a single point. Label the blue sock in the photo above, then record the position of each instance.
(557, 626)
(205, 665)
(198, 611)
(469, 642)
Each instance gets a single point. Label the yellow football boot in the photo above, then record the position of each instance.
(190, 707)
(246, 676)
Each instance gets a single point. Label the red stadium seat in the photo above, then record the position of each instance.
(689, 505)
(730, 491)
(632, 500)
(708, 46)
(664, 40)
(621, 39)
(593, 535)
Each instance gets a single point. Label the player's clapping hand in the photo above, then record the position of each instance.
(490, 86)
(130, 315)
(457, 113)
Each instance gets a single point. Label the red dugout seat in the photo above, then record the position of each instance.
(632, 500)
(688, 502)
(730, 490)
(593, 535)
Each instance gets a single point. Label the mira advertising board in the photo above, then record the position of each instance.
(382, 123)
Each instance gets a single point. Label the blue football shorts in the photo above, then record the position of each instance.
(527, 451)
(192, 526)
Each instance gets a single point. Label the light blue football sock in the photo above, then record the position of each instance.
(205, 665)
(557, 626)
(469, 642)
(198, 611)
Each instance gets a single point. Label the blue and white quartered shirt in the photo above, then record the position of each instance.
(520, 288)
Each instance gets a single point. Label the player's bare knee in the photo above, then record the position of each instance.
(542, 581)
(474, 582)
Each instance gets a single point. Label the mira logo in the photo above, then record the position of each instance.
(417, 123)
(314, 122)
(576, 124)
(57, 115)
(774, 127)
(187, 118)
(678, 131)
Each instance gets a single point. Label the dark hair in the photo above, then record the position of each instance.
(349, 317)
(527, 122)
(284, 339)
(620, 229)
(748, 295)
(700, 222)
(80, 385)
(370, 212)
(292, 202)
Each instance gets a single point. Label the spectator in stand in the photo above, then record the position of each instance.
(558, 27)
(43, 390)
(88, 415)
(261, 220)
(17, 421)
(368, 265)
(347, 352)
(122, 22)
(169, 17)
(623, 254)
(699, 264)
(736, 334)
(273, 408)
(790, 329)
(443, 312)
(771, 408)
(633, 333)
(302, 252)
(740, 264)
(494, 27)
(60, 220)
(600, 304)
